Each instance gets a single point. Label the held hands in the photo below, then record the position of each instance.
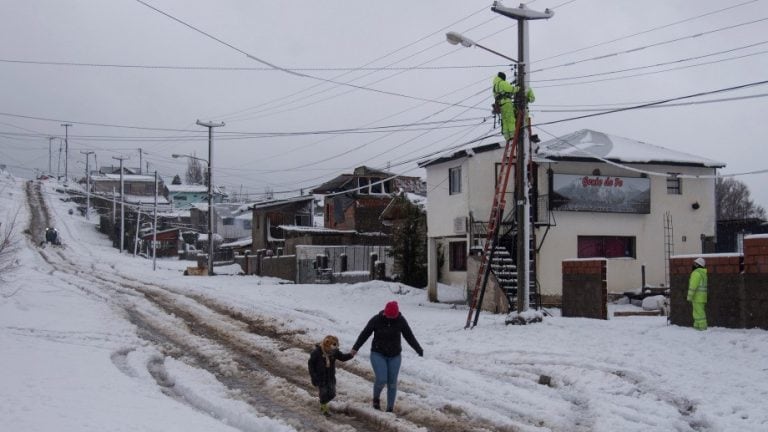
(353, 352)
(420, 353)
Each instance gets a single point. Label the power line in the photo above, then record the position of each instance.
(241, 69)
(680, 60)
(653, 45)
(723, 90)
(657, 72)
(286, 70)
(648, 30)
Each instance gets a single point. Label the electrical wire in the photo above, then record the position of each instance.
(242, 69)
(653, 45)
(648, 30)
(283, 69)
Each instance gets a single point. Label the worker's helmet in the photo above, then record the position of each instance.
(502, 75)
(699, 262)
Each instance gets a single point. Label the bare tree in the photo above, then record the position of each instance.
(194, 173)
(733, 200)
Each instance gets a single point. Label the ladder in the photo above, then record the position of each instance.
(492, 236)
(669, 245)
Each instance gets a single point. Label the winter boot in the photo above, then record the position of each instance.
(324, 410)
(376, 404)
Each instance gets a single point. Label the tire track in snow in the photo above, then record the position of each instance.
(206, 327)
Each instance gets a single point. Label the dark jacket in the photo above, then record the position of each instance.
(386, 335)
(321, 374)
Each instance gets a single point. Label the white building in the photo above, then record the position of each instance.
(594, 195)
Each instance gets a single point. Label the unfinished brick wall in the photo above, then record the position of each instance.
(585, 290)
(737, 287)
(723, 290)
(755, 304)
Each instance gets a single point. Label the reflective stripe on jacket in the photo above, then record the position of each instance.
(697, 286)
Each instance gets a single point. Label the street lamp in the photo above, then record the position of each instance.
(522, 196)
(455, 38)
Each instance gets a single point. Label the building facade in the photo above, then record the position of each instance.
(593, 195)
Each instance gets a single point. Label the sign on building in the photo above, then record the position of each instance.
(607, 194)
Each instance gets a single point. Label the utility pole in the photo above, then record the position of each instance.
(66, 151)
(122, 203)
(58, 164)
(522, 180)
(87, 185)
(50, 154)
(154, 231)
(210, 125)
(140, 161)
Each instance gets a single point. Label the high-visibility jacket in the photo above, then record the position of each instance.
(697, 286)
(503, 91)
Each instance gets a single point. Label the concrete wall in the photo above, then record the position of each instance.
(737, 287)
(585, 291)
(494, 299)
(283, 267)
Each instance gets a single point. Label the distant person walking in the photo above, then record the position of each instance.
(387, 328)
(697, 293)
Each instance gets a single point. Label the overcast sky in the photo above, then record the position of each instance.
(171, 75)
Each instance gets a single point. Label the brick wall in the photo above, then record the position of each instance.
(585, 291)
(755, 311)
(737, 287)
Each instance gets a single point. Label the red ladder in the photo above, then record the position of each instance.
(497, 211)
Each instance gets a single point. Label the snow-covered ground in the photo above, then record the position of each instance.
(88, 344)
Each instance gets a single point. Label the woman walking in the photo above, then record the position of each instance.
(387, 328)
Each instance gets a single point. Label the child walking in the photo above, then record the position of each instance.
(322, 369)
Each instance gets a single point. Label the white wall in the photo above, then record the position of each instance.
(648, 229)
(478, 172)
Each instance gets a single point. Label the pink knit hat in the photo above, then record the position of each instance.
(391, 310)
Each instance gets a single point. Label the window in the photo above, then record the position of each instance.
(458, 254)
(606, 247)
(454, 181)
(228, 221)
(302, 220)
(180, 198)
(376, 186)
(674, 184)
(362, 183)
(247, 224)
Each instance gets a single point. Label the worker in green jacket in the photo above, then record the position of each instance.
(697, 293)
(504, 95)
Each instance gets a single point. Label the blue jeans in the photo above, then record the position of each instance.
(386, 370)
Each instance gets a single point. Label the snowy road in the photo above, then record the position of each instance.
(126, 348)
(264, 363)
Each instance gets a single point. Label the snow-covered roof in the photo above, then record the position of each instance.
(419, 201)
(273, 203)
(126, 178)
(313, 230)
(245, 241)
(589, 144)
(187, 188)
